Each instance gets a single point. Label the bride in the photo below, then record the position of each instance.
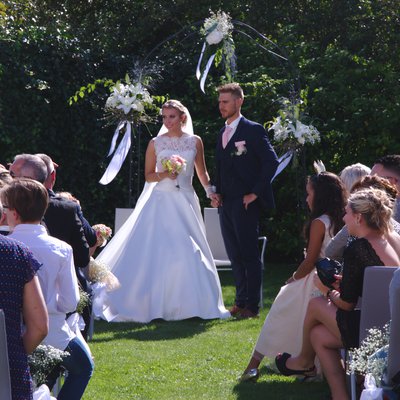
(160, 255)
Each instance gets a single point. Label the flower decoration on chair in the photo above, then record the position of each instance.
(372, 355)
(290, 134)
(42, 361)
(217, 31)
(126, 106)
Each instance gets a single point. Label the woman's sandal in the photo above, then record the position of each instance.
(280, 361)
(250, 376)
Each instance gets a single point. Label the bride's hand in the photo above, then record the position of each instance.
(172, 175)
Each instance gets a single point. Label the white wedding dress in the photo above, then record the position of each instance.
(160, 255)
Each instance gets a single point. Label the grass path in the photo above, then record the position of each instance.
(191, 359)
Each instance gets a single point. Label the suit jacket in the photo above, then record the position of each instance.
(62, 221)
(248, 172)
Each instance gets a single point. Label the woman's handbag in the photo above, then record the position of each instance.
(327, 269)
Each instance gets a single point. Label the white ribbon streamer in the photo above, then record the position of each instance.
(283, 163)
(198, 73)
(115, 137)
(205, 73)
(118, 157)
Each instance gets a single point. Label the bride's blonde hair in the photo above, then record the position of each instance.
(177, 105)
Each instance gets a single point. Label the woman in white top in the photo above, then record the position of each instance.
(326, 199)
(27, 201)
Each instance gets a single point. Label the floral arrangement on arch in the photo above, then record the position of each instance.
(128, 101)
(217, 30)
(289, 132)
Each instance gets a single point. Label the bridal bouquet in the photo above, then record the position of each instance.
(43, 360)
(289, 131)
(103, 233)
(174, 164)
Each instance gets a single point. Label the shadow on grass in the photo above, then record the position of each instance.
(274, 386)
(153, 331)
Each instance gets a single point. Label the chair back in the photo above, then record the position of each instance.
(5, 384)
(375, 310)
(394, 340)
(214, 236)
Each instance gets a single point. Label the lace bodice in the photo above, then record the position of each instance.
(184, 146)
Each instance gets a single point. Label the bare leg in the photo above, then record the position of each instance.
(255, 361)
(326, 344)
(319, 311)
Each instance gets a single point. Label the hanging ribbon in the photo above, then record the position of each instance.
(203, 75)
(115, 137)
(119, 155)
(283, 163)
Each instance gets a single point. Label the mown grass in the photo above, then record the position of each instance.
(191, 359)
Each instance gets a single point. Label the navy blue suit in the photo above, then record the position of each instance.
(238, 175)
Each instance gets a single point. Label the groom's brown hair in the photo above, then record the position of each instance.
(233, 88)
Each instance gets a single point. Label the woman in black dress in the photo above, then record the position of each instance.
(330, 322)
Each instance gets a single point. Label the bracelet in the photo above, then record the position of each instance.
(210, 189)
(293, 276)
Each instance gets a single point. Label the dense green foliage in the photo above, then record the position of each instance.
(342, 53)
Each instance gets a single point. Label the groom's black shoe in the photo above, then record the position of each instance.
(236, 310)
(246, 313)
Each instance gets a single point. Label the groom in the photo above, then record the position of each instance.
(245, 164)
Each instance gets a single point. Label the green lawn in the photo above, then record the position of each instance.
(192, 359)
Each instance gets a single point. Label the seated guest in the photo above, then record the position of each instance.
(27, 202)
(326, 198)
(337, 244)
(331, 322)
(389, 167)
(21, 299)
(353, 173)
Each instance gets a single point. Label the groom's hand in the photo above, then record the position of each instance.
(248, 198)
(215, 200)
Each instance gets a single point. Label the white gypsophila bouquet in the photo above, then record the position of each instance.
(84, 301)
(128, 101)
(99, 272)
(289, 131)
(371, 356)
(41, 362)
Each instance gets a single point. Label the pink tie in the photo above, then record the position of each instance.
(226, 136)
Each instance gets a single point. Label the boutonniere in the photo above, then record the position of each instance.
(240, 148)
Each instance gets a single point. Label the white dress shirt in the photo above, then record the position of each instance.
(233, 125)
(57, 278)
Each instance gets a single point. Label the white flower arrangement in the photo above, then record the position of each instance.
(43, 360)
(371, 356)
(99, 272)
(289, 130)
(128, 101)
(217, 30)
(217, 27)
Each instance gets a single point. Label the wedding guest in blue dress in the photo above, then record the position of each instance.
(331, 322)
(21, 298)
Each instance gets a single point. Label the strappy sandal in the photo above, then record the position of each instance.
(280, 361)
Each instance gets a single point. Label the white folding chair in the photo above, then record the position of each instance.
(5, 383)
(217, 246)
(394, 339)
(375, 310)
